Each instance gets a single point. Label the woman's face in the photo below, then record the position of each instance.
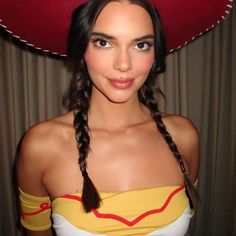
(120, 52)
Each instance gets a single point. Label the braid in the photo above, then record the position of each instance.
(90, 196)
(147, 97)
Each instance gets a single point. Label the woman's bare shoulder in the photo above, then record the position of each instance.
(39, 147)
(44, 136)
(186, 136)
(178, 124)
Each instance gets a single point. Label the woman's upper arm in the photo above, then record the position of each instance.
(39, 233)
(31, 163)
(31, 166)
(190, 148)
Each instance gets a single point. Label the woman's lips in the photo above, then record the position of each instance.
(121, 83)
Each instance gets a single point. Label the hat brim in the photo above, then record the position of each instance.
(44, 24)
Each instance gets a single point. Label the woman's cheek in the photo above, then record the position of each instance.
(144, 65)
(96, 60)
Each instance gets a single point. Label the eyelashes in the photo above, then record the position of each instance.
(100, 42)
(143, 46)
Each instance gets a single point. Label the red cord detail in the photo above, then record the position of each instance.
(123, 220)
(43, 207)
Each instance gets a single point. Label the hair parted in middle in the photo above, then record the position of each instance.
(83, 19)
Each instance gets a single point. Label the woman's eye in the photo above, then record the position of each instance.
(101, 43)
(143, 46)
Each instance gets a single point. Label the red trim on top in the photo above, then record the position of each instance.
(43, 207)
(123, 220)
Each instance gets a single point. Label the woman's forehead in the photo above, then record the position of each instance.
(118, 18)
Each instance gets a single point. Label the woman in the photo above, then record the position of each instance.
(111, 165)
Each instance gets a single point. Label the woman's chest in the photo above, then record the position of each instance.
(115, 164)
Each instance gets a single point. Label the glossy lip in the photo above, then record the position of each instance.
(121, 83)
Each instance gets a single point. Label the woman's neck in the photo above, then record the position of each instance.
(104, 114)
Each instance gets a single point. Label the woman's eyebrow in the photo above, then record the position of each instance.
(110, 37)
(147, 36)
(103, 35)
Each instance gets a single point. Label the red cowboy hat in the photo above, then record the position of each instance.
(44, 24)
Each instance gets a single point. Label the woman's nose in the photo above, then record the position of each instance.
(122, 60)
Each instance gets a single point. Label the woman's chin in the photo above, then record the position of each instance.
(118, 98)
